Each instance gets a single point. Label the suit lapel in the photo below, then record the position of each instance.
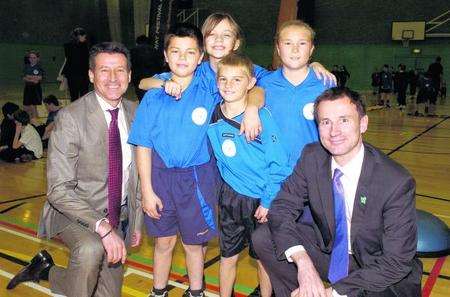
(97, 122)
(362, 192)
(326, 192)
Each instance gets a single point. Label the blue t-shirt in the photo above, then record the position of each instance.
(255, 169)
(175, 129)
(292, 109)
(208, 76)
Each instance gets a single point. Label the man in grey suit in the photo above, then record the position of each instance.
(93, 203)
(363, 236)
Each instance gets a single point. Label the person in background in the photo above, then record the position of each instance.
(402, 85)
(44, 130)
(32, 76)
(145, 62)
(77, 63)
(26, 144)
(8, 126)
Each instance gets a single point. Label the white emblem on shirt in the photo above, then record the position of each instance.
(35, 72)
(199, 116)
(229, 148)
(308, 111)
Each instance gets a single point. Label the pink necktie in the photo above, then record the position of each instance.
(114, 170)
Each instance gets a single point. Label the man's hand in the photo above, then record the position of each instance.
(251, 124)
(136, 238)
(261, 214)
(310, 284)
(321, 71)
(173, 88)
(113, 243)
(152, 205)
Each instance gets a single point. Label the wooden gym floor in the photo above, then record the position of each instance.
(421, 144)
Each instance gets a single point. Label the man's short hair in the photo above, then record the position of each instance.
(184, 30)
(339, 93)
(22, 117)
(237, 60)
(51, 99)
(108, 48)
(9, 108)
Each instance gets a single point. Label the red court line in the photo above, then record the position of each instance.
(145, 267)
(434, 274)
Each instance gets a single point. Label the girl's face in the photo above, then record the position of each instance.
(221, 40)
(33, 58)
(295, 47)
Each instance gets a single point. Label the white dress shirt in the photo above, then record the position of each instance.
(350, 178)
(126, 148)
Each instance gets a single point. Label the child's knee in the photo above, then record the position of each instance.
(165, 244)
(193, 248)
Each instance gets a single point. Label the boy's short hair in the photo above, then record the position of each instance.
(51, 99)
(215, 18)
(184, 30)
(9, 108)
(237, 60)
(108, 48)
(22, 117)
(295, 23)
(338, 93)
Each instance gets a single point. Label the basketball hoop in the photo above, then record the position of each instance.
(405, 41)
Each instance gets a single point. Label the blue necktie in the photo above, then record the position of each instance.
(339, 255)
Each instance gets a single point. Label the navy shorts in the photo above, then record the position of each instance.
(189, 198)
(236, 222)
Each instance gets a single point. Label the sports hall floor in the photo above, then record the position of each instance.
(421, 144)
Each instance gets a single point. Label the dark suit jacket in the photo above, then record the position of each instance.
(383, 227)
(77, 170)
(77, 59)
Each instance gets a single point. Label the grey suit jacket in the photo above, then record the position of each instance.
(383, 227)
(77, 170)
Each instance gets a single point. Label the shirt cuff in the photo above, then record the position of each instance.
(292, 250)
(98, 223)
(334, 293)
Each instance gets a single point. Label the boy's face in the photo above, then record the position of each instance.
(33, 58)
(221, 40)
(234, 82)
(295, 47)
(183, 55)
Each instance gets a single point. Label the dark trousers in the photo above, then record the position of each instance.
(401, 96)
(283, 274)
(78, 86)
(10, 154)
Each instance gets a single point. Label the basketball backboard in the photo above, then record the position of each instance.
(411, 30)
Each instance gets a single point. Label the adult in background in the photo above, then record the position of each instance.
(363, 236)
(436, 71)
(402, 85)
(77, 63)
(145, 62)
(93, 203)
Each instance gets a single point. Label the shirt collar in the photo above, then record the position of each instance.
(353, 168)
(105, 106)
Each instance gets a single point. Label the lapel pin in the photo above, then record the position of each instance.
(363, 200)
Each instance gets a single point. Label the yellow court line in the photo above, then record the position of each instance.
(28, 284)
(32, 238)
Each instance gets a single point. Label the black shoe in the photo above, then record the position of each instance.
(192, 293)
(256, 292)
(37, 269)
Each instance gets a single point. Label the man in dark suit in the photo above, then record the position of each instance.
(364, 235)
(93, 203)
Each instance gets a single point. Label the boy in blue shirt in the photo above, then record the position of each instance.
(292, 89)
(178, 178)
(252, 171)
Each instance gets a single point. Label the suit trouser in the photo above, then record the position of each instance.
(88, 272)
(283, 274)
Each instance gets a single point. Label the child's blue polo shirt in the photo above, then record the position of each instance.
(175, 129)
(254, 169)
(292, 109)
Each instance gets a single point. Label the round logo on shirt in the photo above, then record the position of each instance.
(199, 116)
(35, 72)
(229, 148)
(308, 111)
